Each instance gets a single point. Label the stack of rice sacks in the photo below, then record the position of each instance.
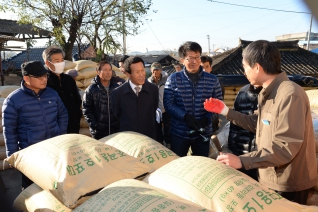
(4, 92)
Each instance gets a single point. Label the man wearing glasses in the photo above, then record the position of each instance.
(33, 112)
(184, 94)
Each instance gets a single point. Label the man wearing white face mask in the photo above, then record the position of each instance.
(64, 85)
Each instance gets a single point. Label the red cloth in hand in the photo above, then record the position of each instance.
(214, 105)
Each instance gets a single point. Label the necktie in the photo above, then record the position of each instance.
(137, 90)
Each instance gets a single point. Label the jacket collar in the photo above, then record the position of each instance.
(127, 88)
(53, 75)
(163, 78)
(274, 84)
(96, 80)
(183, 71)
(31, 92)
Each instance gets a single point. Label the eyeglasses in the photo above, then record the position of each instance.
(190, 59)
(45, 76)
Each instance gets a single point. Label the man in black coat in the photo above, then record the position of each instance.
(135, 102)
(241, 141)
(96, 102)
(64, 85)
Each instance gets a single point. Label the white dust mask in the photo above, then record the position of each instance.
(59, 67)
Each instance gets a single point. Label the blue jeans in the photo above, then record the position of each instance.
(181, 146)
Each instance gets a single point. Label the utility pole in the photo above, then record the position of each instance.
(308, 39)
(124, 33)
(28, 49)
(209, 43)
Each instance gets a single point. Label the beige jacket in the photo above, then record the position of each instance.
(285, 156)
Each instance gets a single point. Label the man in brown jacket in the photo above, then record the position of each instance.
(285, 155)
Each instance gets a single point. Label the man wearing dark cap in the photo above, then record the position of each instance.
(159, 78)
(33, 112)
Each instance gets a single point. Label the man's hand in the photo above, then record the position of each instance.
(216, 106)
(230, 160)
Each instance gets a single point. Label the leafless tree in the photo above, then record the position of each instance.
(100, 21)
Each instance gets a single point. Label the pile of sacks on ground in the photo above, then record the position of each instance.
(87, 71)
(4, 92)
(313, 99)
(3, 164)
(128, 171)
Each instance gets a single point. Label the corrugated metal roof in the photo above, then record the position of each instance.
(4, 38)
(13, 28)
(35, 54)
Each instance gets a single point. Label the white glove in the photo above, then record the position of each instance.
(158, 115)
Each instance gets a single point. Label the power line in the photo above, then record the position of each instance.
(261, 8)
(260, 29)
(155, 36)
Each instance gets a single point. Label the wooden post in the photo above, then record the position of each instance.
(1, 71)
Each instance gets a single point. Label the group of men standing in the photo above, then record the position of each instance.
(159, 107)
(187, 103)
(46, 105)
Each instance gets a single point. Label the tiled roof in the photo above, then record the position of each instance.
(13, 28)
(169, 69)
(164, 59)
(295, 60)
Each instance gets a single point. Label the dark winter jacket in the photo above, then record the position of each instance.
(134, 113)
(161, 87)
(29, 118)
(182, 96)
(97, 108)
(241, 141)
(66, 88)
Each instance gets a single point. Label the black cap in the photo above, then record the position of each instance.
(34, 68)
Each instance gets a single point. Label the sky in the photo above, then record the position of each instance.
(170, 23)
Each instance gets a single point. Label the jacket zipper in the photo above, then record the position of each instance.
(46, 126)
(193, 96)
